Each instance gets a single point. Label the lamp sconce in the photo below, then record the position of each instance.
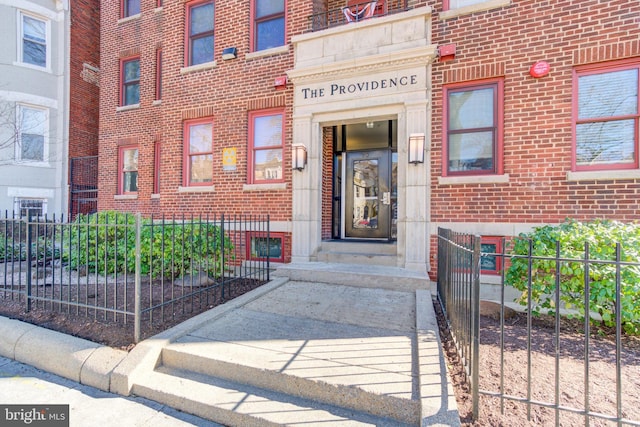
(416, 148)
(229, 53)
(299, 156)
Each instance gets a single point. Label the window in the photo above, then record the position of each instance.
(260, 246)
(130, 92)
(156, 167)
(269, 24)
(473, 129)
(265, 141)
(198, 156)
(34, 37)
(130, 8)
(158, 74)
(30, 208)
(491, 258)
(200, 33)
(32, 130)
(128, 167)
(606, 116)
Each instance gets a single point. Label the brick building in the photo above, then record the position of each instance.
(362, 130)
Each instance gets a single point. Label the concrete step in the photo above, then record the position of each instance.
(236, 404)
(366, 253)
(362, 275)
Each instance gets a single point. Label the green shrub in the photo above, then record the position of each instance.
(105, 243)
(572, 235)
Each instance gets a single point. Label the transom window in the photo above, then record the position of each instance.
(266, 141)
(200, 19)
(269, 24)
(130, 8)
(130, 91)
(128, 165)
(472, 129)
(606, 113)
(34, 41)
(32, 130)
(198, 152)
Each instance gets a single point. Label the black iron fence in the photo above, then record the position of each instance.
(539, 359)
(128, 269)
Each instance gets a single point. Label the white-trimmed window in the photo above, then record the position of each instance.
(32, 124)
(33, 41)
(30, 208)
(266, 142)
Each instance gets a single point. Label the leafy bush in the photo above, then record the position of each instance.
(105, 242)
(572, 235)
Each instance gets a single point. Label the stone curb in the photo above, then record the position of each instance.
(70, 357)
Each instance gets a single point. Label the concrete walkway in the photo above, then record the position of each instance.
(291, 352)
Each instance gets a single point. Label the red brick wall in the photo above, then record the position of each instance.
(537, 122)
(84, 91)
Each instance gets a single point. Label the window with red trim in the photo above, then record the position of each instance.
(128, 169)
(198, 152)
(268, 24)
(606, 112)
(130, 7)
(491, 255)
(200, 35)
(472, 128)
(130, 81)
(156, 167)
(158, 74)
(260, 245)
(266, 140)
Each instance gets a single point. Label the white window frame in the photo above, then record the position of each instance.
(20, 37)
(17, 205)
(18, 145)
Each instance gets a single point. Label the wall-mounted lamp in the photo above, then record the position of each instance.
(370, 125)
(229, 53)
(416, 148)
(299, 160)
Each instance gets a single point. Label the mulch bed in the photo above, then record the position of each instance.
(514, 375)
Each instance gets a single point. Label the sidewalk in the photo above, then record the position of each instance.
(25, 385)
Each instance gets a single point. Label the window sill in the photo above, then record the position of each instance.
(125, 197)
(32, 163)
(267, 52)
(467, 10)
(473, 179)
(155, 196)
(199, 67)
(200, 189)
(129, 18)
(127, 107)
(603, 175)
(265, 187)
(156, 102)
(33, 67)
(158, 9)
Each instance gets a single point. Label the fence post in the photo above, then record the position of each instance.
(475, 328)
(137, 285)
(222, 266)
(268, 249)
(29, 256)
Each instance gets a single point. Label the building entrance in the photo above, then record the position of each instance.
(365, 201)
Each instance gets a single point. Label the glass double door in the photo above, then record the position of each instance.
(368, 196)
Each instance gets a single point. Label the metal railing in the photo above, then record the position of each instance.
(127, 269)
(458, 289)
(336, 17)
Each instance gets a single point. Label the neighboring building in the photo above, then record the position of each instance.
(305, 110)
(39, 97)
